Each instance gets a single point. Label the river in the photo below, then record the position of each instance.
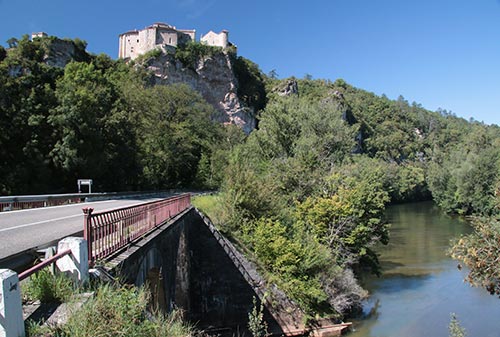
(421, 286)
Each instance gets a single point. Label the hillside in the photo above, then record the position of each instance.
(67, 114)
(310, 185)
(304, 192)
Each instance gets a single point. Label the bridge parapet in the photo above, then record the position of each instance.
(108, 231)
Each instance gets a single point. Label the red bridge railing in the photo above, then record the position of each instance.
(106, 232)
(36, 268)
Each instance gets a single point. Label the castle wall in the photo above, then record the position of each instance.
(167, 36)
(214, 39)
(147, 40)
(186, 36)
(129, 45)
(38, 34)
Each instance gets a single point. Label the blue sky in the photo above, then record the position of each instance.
(439, 53)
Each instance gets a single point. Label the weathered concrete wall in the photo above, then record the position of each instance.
(222, 295)
(196, 275)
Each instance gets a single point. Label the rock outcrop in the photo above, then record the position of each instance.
(60, 52)
(213, 77)
(291, 87)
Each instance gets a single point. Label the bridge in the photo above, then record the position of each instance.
(166, 244)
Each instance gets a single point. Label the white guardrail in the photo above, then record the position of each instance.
(11, 203)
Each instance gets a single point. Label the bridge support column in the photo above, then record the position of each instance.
(76, 264)
(11, 310)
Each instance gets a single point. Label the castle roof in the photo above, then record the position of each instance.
(222, 31)
(130, 32)
(161, 25)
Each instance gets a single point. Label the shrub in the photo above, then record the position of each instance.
(190, 53)
(150, 55)
(256, 323)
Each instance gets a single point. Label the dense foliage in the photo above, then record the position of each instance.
(192, 52)
(99, 119)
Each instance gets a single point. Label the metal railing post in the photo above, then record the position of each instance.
(87, 231)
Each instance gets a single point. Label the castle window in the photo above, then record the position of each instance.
(137, 40)
(169, 40)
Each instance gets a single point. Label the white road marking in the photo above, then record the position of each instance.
(40, 222)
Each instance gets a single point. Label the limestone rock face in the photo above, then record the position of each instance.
(290, 88)
(213, 77)
(60, 52)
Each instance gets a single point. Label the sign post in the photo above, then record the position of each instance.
(87, 182)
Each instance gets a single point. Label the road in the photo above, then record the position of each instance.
(27, 229)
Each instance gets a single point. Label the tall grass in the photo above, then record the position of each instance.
(113, 311)
(48, 288)
(121, 311)
(211, 205)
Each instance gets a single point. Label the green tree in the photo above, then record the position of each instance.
(251, 87)
(3, 53)
(174, 131)
(349, 217)
(93, 133)
(463, 179)
(12, 42)
(26, 98)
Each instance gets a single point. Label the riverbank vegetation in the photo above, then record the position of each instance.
(305, 193)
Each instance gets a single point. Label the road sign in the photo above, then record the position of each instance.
(87, 182)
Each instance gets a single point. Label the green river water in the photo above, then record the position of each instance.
(421, 286)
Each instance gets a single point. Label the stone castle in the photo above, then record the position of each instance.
(164, 36)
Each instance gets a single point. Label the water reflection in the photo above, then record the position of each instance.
(421, 285)
(402, 282)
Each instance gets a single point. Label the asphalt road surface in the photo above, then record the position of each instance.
(27, 229)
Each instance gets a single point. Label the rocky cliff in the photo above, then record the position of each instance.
(213, 76)
(59, 52)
